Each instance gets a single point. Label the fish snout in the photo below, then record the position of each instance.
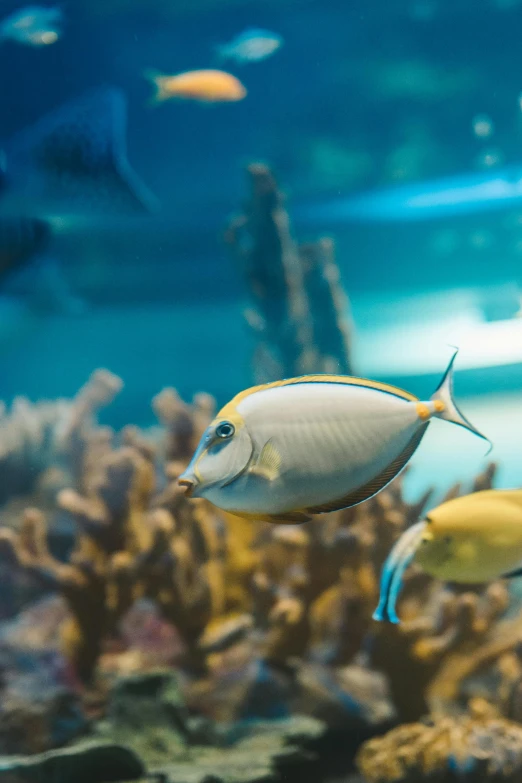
(190, 484)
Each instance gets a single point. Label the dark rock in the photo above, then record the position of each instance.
(88, 762)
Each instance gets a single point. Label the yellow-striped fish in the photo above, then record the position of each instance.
(309, 445)
(472, 539)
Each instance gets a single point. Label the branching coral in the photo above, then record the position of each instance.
(184, 423)
(39, 441)
(478, 747)
(124, 550)
(313, 591)
(299, 310)
(273, 619)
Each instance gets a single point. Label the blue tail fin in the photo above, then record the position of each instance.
(393, 570)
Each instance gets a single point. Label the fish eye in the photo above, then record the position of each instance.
(225, 430)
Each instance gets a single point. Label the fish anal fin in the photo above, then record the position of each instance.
(285, 518)
(288, 518)
(268, 464)
(377, 483)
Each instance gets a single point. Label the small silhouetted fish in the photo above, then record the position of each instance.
(250, 46)
(33, 25)
(73, 162)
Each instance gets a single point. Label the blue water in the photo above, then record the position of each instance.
(356, 100)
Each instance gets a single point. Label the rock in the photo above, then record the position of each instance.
(86, 762)
(40, 708)
(147, 714)
(268, 752)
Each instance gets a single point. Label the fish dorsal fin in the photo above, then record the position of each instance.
(349, 380)
(268, 464)
(346, 380)
(376, 484)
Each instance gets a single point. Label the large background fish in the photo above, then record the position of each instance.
(73, 161)
(70, 168)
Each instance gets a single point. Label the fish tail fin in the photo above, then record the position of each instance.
(445, 406)
(157, 78)
(76, 157)
(393, 570)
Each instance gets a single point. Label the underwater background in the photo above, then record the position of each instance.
(356, 99)
(354, 207)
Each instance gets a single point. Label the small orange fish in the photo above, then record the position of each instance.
(207, 86)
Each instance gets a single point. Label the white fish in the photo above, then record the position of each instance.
(250, 46)
(33, 25)
(310, 445)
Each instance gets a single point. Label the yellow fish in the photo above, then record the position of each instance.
(470, 539)
(206, 86)
(309, 445)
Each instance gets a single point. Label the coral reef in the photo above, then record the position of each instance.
(125, 549)
(261, 623)
(299, 311)
(43, 446)
(471, 749)
(40, 706)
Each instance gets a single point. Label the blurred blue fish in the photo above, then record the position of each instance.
(74, 162)
(34, 26)
(458, 195)
(250, 46)
(68, 170)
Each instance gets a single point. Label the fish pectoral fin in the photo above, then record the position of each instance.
(513, 574)
(377, 483)
(268, 464)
